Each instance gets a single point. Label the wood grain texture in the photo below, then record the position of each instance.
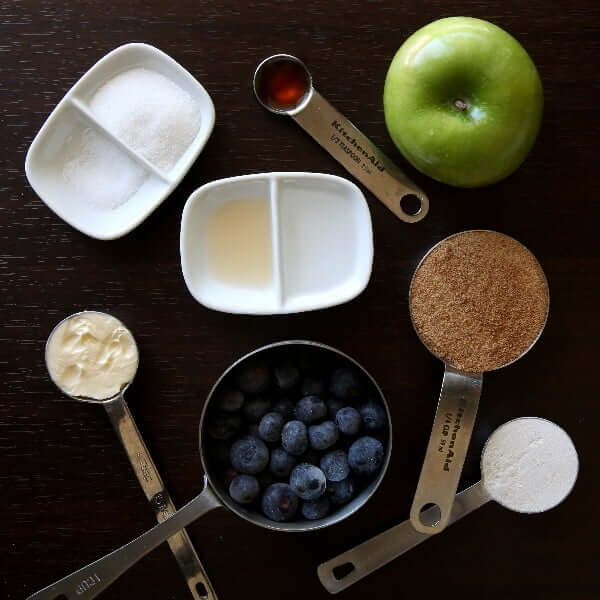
(69, 494)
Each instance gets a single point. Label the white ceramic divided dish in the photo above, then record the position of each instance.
(72, 117)
(321, 239)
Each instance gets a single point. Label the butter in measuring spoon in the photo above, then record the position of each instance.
(91, 355)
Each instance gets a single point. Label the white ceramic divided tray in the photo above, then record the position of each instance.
(73, 117)
(321, 241)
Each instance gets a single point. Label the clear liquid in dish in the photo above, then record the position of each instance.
(239, 244)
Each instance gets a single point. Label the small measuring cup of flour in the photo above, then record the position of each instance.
(528, 465)
(479, 301)
(92, 357)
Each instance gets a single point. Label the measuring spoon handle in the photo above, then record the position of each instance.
(359, 156)
(447, 448)
(89, 581)
(369, 556)
(158, 496)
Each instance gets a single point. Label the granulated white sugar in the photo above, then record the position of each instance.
(97, 172)
(151, 113)
(529, 465)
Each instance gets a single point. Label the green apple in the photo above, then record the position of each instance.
(463, 101)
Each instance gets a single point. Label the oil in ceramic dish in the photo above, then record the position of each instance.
(238, 243)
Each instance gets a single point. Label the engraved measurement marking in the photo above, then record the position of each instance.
(353, 148)
(450, 428)
(87, 584)
(144, 467)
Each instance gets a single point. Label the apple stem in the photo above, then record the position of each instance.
(461, 104)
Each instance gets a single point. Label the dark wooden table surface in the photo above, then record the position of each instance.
(69, 495)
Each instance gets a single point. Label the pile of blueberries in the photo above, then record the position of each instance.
(296, 436)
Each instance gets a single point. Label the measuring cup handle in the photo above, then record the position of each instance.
(89, 581)
(158, 496)
(360, 561)
(447, 448)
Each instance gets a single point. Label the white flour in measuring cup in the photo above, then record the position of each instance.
(529, 465)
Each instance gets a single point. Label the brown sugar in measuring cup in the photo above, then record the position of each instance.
(478, 301)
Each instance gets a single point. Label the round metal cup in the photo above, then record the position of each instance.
(256, 81)
(298, 525)
(84, 398)
(492, 497)
(455, 235)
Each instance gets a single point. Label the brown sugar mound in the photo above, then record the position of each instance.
(479, 300)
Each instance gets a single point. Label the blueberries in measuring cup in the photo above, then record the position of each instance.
(279, 502)
(254, 378)
(310, 409)
(308, 481)
(244, 489)
(296, 437)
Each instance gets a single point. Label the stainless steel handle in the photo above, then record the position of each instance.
(385, 547)
(89, 581)
(156, 493)
(447, 448)
(359, 155)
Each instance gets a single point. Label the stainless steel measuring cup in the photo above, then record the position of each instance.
(344, 570)
(150, 481)
(450, 435)
(101, 573)
(349, 146)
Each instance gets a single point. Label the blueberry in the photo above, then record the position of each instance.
(316, 509)
(229, 475)
(333, 405)
(270, 427)
(373, 415)
(279, 503)
(229, 400)
(335, 465)
(365, 456)
(308, 481)
(219, 451)
(281, 462)
(254, 378)
(345, 384)
(256, 409)
(323, 436)
(294, 437)
(287, 376)
(285, 407)
(340, 492)
(244, 489)
(312, 387)
(310, 409)
(249, 455)
(348, 420)
(223, 426)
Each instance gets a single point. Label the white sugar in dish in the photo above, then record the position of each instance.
(97, 172)
(529, 465)
(150, 113)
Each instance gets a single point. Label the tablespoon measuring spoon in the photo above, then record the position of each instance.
(283, 85)
(344, 570)
(79, 335)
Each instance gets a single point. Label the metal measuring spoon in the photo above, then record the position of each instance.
(346, 569)
(214, 494)
(349, 146)
(146, 473)
(451, 432)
